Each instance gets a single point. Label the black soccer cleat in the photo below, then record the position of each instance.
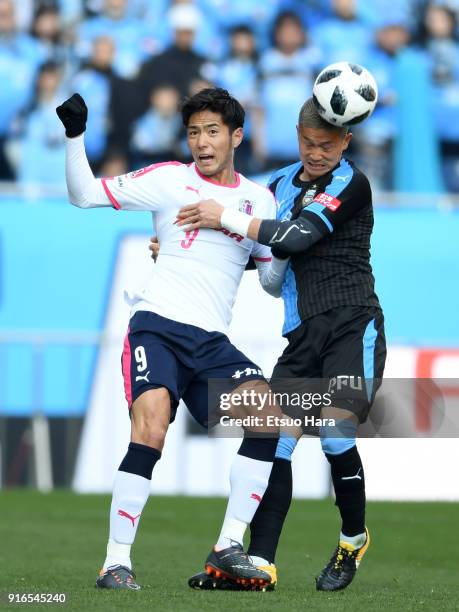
(205, 582)
(340, 570)
(233, 563)
(117, 577)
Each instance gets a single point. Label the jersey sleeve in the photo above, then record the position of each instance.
(268, 210)
(144, 189)
(345, 195)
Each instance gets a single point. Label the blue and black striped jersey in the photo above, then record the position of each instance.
(336, 270)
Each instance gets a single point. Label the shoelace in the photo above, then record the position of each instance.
(245, 556)
(130, 577)
(340, 556)
(239, 548)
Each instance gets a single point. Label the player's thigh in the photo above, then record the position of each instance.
(196, 398)
(300, 358)
(224, 371)
(297, 376)
(208, 400)
(353, 360)
(148, 363)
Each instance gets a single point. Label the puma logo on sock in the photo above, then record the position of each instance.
(356, 477)
(128, 516)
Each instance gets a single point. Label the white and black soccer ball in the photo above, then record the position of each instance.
(345, 94)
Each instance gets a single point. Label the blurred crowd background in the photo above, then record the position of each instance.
(62, 317)
(133, 61)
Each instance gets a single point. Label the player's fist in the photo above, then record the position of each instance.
(73, 113)
(205, 213)
(154, 248)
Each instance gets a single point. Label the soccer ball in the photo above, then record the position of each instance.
(345, 94)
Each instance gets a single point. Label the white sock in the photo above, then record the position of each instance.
(259, 561)
(130, 493)
(117, 554)
(356, 541)
(249, 480)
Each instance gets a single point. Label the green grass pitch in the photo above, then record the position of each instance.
(56, 542)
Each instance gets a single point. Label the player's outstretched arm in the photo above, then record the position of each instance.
(289, 237)
(285, 236)
(209, 213)
(317, 220)
(84, 190)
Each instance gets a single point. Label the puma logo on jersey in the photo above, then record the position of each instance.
(145, 378)
(190, 188)
(342, 178)
(277, 238)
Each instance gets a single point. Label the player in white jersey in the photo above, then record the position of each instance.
(176, 338)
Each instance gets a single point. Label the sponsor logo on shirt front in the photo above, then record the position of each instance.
(327, 200)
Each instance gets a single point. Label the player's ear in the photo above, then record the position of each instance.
(237, 137)
(347, 139)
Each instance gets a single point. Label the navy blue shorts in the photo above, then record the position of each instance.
(340, 348)
(159, 352)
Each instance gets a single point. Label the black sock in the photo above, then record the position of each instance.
(262, 449)
(140, 459)
(266, 525)
(350, 492)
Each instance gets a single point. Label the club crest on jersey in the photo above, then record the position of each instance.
(246, 206)
(309, 196)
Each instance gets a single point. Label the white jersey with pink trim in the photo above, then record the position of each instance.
(197, 274)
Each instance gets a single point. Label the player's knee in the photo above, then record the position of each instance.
(285, 447)
(150, 418)
(339, 438)
(149, 430)
(336, 446)
(153, 437)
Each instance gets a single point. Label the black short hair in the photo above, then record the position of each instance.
(242, 28)
(216, 100)
(309, 117)
(285, 16)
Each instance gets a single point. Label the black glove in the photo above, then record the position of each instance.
(280, 254)
(73, 113)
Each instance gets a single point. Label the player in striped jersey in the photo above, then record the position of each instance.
(333, 322)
